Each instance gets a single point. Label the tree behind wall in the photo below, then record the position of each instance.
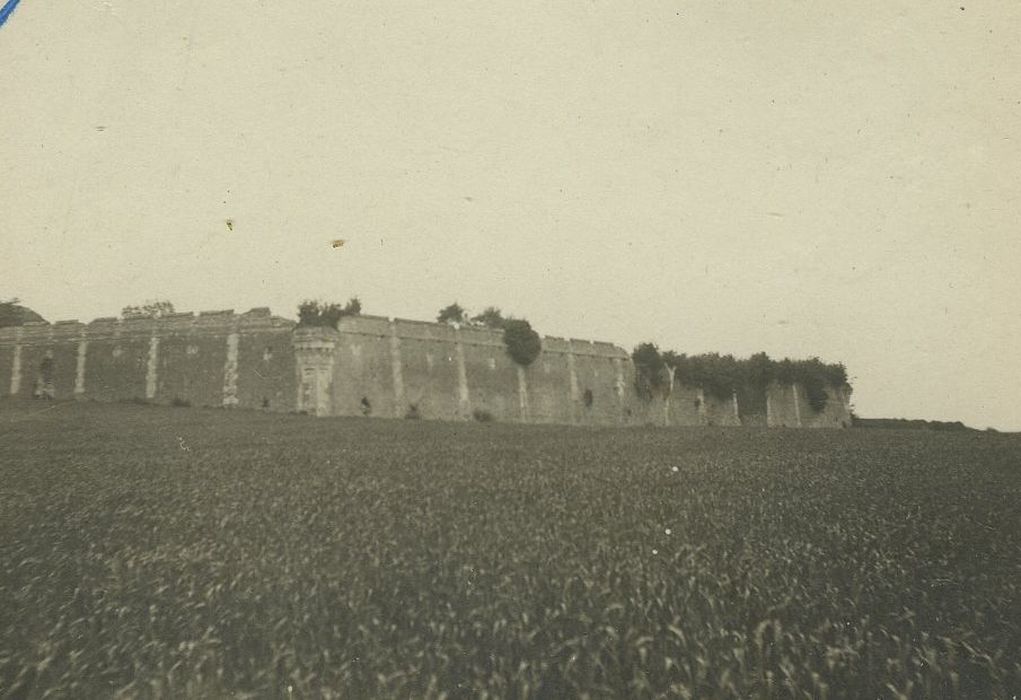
(320, 313)
(13, 313)
(491, 317)
(455, 313)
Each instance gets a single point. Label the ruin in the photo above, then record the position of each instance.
(367, 366)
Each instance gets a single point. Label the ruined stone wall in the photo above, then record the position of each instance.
(213, 359)
(372, 366)
(426, 356)
(400, 368)
(363, 373)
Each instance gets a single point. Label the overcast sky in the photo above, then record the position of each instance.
(803, 178)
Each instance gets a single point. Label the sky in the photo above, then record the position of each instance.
(802, 178)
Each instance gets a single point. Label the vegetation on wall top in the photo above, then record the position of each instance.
(13, 313)
(153, 308)
(454, 313)
(319, 313)
(523, 343)
(722, 375)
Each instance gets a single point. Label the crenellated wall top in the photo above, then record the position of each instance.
(262, 319)
(223, 321)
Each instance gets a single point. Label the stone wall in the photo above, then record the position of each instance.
(400, 368)
(217, 358)
(369, 366)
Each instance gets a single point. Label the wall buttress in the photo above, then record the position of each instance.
(618, 385)
(797, 405)
(523, 395)
(16, 366)
(79, 372)
(151, 365)
(398, 371)
(230, 372)
(463, 396)
(573, 377)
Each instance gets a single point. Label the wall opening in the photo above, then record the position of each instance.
(588, 398)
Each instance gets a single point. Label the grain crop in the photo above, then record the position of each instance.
(168, 552)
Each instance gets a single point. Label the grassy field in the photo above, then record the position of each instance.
(174, 552)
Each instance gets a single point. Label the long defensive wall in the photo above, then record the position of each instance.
(369, 366)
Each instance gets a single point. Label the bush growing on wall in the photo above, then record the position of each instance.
(319, 313)
(523, 343)
(491, 317)
(154, 308)
(455, 313)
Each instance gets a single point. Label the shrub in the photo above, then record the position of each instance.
(154, 308)
(483, 416)
(178, 402)
(523, 343)
(454, 313)
(318, 313)
(491, 317)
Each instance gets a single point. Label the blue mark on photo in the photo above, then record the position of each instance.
(7, 9)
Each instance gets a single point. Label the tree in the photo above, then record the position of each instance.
(454, 313)
(353, 307)
(651, 375)
(322, 314)
(153, 308)
(12, 313)
(523, 343)
(491, 317)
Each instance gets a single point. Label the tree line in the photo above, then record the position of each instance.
(723, 375)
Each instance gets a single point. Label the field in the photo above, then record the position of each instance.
(200, 553)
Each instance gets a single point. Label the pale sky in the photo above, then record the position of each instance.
(803, 178)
